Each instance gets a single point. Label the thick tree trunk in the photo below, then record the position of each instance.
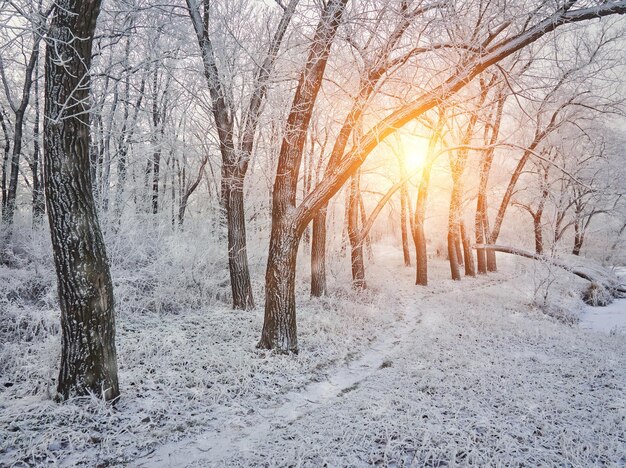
(470, 268)
(88, 358)
(419, 235)
(492, 264)
(279, 326)
(237, 251)
(318, 254)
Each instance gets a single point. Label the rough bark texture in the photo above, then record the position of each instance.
(237, 251)
(88, 357)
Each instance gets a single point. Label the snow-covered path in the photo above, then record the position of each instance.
(244, 436)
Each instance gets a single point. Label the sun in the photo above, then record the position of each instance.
(415, 151)
(414, 160)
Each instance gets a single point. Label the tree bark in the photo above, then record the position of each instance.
(237, 250)
(318, 254)
(470, 267)
(455, 272)
(88, 357)
(38, 202)
(404, 220)
(538, 234)
(5, 159)
(356, 240)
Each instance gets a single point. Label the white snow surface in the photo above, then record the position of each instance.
(609, 319)
(457, 373)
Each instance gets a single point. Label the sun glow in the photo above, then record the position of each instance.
(414, 160)
(415, 151)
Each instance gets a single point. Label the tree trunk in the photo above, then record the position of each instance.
(356, 240)
(38, 204)
(578, 239)
(470, 268)
(452, 259)
(481, 254)
(237, 252)
(453, 226)
(421, 254)
(157, 122)
(459, 247)
(318, 254)
(88, 358)
(404, 219)
(5, 159)
(419, 235)
(14, 166)
(279, 326)
(538, 233)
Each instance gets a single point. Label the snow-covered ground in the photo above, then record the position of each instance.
(609, 319)
(468, 372)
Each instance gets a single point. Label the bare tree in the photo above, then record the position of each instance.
(88, 357)
(20, 105)
(236, 157)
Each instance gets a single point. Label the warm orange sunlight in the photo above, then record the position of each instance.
(414, 150)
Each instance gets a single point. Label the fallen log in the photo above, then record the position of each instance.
(552, 261)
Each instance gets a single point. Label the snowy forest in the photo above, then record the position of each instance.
(313, 233)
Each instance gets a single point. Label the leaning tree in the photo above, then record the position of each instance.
(88, 357)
